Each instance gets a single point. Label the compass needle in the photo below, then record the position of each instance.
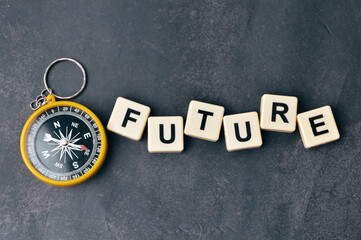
(77, 149)
(72, 145)
(47, 137)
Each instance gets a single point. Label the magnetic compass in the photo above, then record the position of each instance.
(62, 143)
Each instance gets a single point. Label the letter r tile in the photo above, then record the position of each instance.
(317, 127)
(204, 121)
(278, 113)
(128, 118)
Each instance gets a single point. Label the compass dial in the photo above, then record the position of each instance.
(63, 143)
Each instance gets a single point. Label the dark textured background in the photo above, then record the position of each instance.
(164, 54)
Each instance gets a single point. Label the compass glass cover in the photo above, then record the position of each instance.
(63, 143)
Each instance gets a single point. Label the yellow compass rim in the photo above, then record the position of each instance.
(73, 182)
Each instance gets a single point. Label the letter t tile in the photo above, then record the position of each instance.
(204, 121)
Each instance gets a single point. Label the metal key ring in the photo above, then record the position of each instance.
(60, 60)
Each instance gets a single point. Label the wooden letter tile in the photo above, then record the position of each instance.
(278, 113)
(204, 121)
(242, 131)
(165, 134)
(317, 127)
(128, 118)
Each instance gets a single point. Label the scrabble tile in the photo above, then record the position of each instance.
(278, 113)
(165, 134)
(128, 118)
(242, 131)
(204, 120)
(317, 127)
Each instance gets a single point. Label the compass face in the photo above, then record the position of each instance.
(63, 143)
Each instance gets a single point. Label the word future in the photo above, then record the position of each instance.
(242, 131)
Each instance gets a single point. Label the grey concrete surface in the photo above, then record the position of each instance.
(164, 54)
